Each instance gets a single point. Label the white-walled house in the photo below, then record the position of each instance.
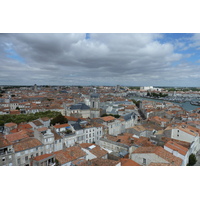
(113, 125)
(80, 109)
(178, 151)
(186, 133)
(93, 151)
(154, 154)
(26, 149)
(66, 156)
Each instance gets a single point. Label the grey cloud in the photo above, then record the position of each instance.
(103, 59)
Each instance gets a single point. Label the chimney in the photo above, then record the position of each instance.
(89, 162)
(71, 153)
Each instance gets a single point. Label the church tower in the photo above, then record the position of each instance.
(95, 105)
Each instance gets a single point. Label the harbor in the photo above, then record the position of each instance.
(186, 105)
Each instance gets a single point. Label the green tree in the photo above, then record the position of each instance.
(59, 119)
(192, 160)
(57, 162)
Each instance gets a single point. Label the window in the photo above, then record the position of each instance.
(93, 134)
(32, 156)
(144, 161)
(26, 158)
(41, 153)
(19, 161)
(60, 140)
(3, 159)
(90, 135)
(86, 136)
(36, 154)
(36, 148)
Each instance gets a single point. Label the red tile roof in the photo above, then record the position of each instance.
(17, 136)
(25, 126)
(176, 147)
(128, 162)
(161, 152)
(42, 129)
(69, 154)
(99, 162)
(42, 157)
(71, 118)
(10, 124)
(4, 142)
(27, 143)
(61, 125)
(97, 150)
(108, 118)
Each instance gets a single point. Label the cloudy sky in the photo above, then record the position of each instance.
(100, 59)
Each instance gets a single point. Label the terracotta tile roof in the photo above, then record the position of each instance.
(69, 154)
(27, 143)
(161, 152)
(56, 136)
(17, 136)
(14, 130)
(159, 164)
(71, 118)
(42, 157)
(143, 141)
(108, 118)
(139, 128)
(61, 125)
(25, 126)
(10, 124)
(15, 112)
(99, 162)
(37, 123)
(128, 162)
(44, 119)
(159, 119)
(182, 143)
(4, 142)
(42, 129)
(176, 147)
(97, 150)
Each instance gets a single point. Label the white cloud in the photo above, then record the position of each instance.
(132, 59)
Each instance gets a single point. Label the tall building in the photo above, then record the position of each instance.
(95, 105)
(35, 87)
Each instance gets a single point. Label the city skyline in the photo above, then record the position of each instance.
(100, 59)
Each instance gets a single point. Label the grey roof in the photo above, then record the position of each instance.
(79, 106)
(113, 111)
(94, 95)
(123, 153)
(77, 126)
(120, 154)
(128, 116)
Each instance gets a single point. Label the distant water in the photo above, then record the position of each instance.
(186, 106)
